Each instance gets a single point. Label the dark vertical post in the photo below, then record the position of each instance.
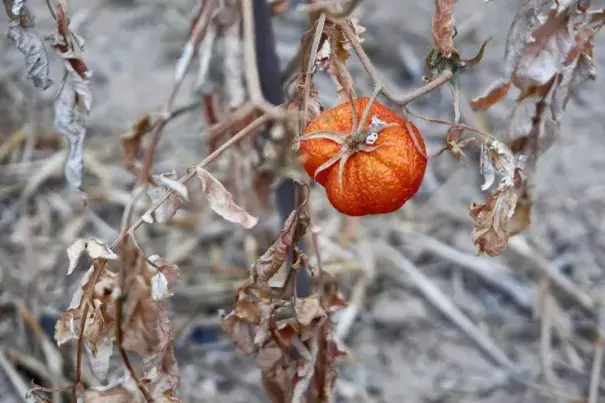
(270, 81)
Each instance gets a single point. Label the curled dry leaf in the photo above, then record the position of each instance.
(99, 321)
(270, 262)
(172, 204)
(289, 336)
(337, 59)
(298, 101)
(74, 100)
(221, 201)
(95, 249)
(491, 231)
(161, 375)
(442, 24)
(543, 42)
(146, 326)
(490, 234)
(163, 276)
(131, 141)
(22, 31)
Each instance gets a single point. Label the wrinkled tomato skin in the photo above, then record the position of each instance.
(376, 182)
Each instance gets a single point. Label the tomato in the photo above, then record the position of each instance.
(366, 169)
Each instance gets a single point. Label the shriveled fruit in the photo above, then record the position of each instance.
(369, 168)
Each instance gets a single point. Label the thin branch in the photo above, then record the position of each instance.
(181, 69)
(251, 71)
(255, 91)
(310, 67)
(399, 99)
(251, 128)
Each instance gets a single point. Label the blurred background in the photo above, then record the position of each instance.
(402, 347)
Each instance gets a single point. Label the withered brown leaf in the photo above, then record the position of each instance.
(270, 262)
(99, 321)
(131, 141)
(442, 24)
(221, 201)
(490, 234)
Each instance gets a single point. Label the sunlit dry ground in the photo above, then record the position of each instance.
(402, 348)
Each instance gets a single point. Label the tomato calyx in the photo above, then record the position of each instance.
(359, 139)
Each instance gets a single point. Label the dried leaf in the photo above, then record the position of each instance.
(499, 159)
(95, 249)
(313, 102)
(492, 95)
(159, 287)
(22, 31)
(67, 327)
(443, 26)
(169, 181)
(131, 141)
(146, 326)
(241, 332)
(491, 231)
(336, 64)
(486, 168)
(221, 201)
(491, 221)
(74, 100)
(99, 330)
(270, 262)
(172, 204)
(99, 355)
(544, 54)
(69, 121)
(163, 277)
(161, 374)
(521, 218)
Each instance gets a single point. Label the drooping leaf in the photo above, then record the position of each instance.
(490, 234)
(95, 249)
(221, 201)
(75, 98)
(99, 325)
(270, 262)
(22, 31)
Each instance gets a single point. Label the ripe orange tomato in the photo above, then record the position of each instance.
(379, 171)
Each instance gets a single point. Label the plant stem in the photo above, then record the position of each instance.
(196, 36)
(233, 140)
(399, 99)
(98, 269)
